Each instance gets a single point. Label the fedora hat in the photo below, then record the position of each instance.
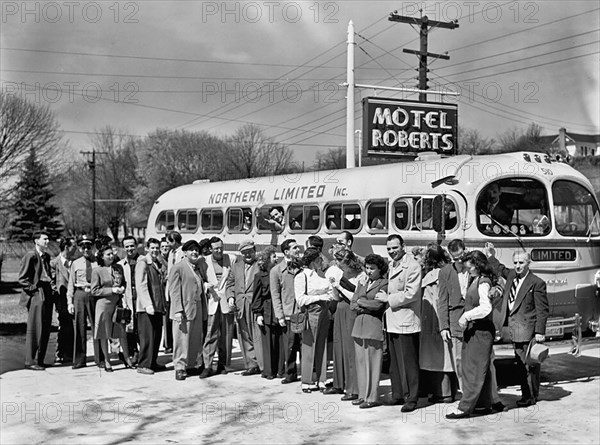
(536, 353)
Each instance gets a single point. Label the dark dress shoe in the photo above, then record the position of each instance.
(525, 402)
(333, 390)
(349, 397)
(499, 407)
(78, 366)
(108, 368)
(367, 405)
(482, 411)
(357, 402)
(35, 367)
(409, 407)
(206, 373)
(101, 364)
(221, 370)
(180, 375)
(251, 371)
(289, 379)
(460, 415)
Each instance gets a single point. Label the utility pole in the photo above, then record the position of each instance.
(92, 167)
(425, 24)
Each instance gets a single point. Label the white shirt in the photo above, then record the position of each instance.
(485, 304)
(511, 304)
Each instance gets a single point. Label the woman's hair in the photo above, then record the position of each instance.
(377, 261)
(347, 257)
(100, 254)
(265, 256)
(310, 255)
(480, 261)
(435, 257)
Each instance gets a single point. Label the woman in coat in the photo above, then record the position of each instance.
(343, 278)
(108, 287)
(313, 294)
(435, 358)
(262, 308)
(479, 332)
(367, 332)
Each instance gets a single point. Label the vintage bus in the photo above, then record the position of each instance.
(516, 201)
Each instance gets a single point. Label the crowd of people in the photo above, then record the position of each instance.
(435, 311)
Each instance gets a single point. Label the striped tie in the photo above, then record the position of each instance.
(513, 290)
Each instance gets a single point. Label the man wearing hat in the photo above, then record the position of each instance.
(188, 310)
(239, 293)
(525, 309)
(81, 304)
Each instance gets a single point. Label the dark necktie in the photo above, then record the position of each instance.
(88, 271)
(513, 290)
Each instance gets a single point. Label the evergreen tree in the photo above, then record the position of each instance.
(32, 208)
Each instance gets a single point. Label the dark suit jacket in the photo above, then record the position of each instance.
(530, 310)
(262, 304)
(368, 324)
(450, 302)
(29, 275)
(185, 290)
(238, 288)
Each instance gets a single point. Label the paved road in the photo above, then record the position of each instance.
(61, 405)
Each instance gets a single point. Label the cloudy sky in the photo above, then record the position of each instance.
(214, 66)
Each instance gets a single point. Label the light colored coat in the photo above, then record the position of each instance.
(217, 293)
(404, 297)
(186, 289)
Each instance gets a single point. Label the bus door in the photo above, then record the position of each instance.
(449, 212)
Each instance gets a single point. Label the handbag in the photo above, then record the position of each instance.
(122, 315)
(299, 320)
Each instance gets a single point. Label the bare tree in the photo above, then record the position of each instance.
(516, 140)
(472, 142)
(25, 125)
(169, 159)
(332, 159)
(251, 153)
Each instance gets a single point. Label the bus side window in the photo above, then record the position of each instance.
(423, 211)
(165, 221)
(351, 217)
(212, 220)
(187, 220)
(239, 219)
(304, 217)
(377, 215)
(333, 217)
(401, 215)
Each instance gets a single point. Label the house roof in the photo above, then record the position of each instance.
(572, 137)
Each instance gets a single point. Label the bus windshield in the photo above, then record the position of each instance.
(516, 205)
(575, 210)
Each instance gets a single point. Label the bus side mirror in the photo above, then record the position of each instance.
(438, 213)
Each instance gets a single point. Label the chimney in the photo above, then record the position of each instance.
(562, 140)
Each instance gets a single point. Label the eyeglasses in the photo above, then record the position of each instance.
(459, 258)
(340, 241)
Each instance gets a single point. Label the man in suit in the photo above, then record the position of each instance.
(496, 205)
(188, 310)
(453, 283)
(239, 292)
(36, 296)
(525, 309)
(403, 321)
(81, 304)
(284, 305)
(220, 320)
(60, 266)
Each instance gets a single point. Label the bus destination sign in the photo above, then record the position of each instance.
(394, 127)
(553, 255)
